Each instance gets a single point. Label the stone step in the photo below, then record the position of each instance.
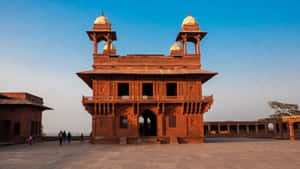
(149, 140)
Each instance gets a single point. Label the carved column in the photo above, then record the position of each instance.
(95, 109)
(256, 129)
(184, 37)
(159, 125)
(228, 128)
(95, 44)
(266, 128)
(198, 43)
(280, 130)
(202, 126)
(291, 127)
(199, 52)
(247, 129)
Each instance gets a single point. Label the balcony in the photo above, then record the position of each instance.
(145, 99)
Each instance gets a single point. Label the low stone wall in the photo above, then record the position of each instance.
(251, 129)
(55, 138)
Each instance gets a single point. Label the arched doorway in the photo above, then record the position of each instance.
(147, 123)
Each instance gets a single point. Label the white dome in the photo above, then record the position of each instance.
(102, 20)
(112, 46)
(175, 47)
(189, 20)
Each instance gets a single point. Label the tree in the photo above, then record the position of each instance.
(283, 109)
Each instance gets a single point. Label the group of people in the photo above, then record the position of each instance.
(63, 136)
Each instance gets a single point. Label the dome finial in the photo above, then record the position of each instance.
(189, 14)
(102, 13)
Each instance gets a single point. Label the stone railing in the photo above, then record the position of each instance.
(118, 99)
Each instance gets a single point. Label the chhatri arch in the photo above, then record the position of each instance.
(165, 88)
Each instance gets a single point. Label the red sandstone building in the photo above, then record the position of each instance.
(20, 117)
(141, 95)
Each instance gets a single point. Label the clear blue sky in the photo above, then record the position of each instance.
(254, 45)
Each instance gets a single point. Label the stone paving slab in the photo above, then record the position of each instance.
(215, 154)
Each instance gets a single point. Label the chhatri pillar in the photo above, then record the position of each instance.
(292, 134)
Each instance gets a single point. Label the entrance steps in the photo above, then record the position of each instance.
(148, 140)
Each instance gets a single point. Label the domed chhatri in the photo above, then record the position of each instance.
(190, 24)
(102, 23)
(175, 47)
(102, 20)
(189, 20)
(176, 50)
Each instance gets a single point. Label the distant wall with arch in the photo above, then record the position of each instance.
(268, 128)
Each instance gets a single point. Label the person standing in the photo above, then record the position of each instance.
(81, 137)
(30, 140)
(64, 136)
(69, 137)
(60, 137)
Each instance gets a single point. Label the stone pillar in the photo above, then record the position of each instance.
(266, 128)
(199, 52)
(256, 129)
(184, 39)
(219, 128)
(159, 125)
(195, 48)
(185, 48)
(228, 128)
(274, 129)
(95, 44)
(93, 126)
(238, 129)
(281, 130)
(198, 42)
(202, 126)
(187, 126)
(247, 129)
(208, 129)
(291, 127)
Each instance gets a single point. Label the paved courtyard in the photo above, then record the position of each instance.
(216, 154)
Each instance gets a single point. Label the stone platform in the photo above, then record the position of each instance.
(215, 153)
